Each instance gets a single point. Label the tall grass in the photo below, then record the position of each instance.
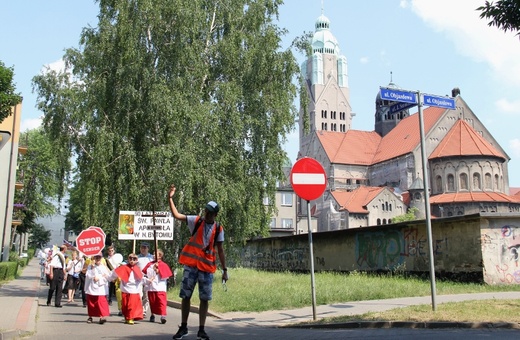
(254, 291)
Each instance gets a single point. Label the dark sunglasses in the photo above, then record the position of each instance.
(132, 258)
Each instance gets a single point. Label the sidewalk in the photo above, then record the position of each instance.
(19, 311)
(19, 303)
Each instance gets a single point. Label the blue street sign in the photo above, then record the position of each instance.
(397, 107)
(445, 102)
(398, 96)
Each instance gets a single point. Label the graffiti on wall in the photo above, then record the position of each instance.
(501, 254)
(390, 248)
(293, 258)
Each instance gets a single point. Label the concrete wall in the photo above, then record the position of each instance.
(500, 245)
(8, 165)
(476, 248)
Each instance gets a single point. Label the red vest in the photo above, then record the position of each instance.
(194, 254)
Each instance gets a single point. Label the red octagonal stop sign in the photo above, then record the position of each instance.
(308, 178)
(90, 241)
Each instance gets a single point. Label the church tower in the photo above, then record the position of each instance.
(389, 113)
(326, 81)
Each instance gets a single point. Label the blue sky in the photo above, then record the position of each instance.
(428, 45)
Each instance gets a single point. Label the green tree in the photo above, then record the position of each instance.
(195, 93)
(409, 216)
(39, 236)
(43, 186)
(8, 97)
(40, 174)
(504, 14)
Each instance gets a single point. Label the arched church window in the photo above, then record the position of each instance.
(438, 183)
(378, 221)
(463, 181)
(451, 182)
(476, 181)
(497, 187)
(487, 181)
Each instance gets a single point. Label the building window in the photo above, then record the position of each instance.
(272, 225)
(378, 221)
(476, 181)
(438, 183)
(451, 183)
(287, 199)
(497, 187)
(487, 181)
(265, 201)
(287, 223)
(463, 181)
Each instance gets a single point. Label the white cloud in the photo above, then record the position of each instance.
(58, 66)
(461, 23)
(507, 106)
(514, 144)
(363, 60)
(29, 124)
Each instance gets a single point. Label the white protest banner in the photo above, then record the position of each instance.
(144, 220)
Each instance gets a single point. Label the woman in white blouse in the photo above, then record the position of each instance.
(74, 267)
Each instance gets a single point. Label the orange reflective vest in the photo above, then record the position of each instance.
(194, 254)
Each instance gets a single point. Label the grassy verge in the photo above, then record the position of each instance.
(466, 311)
(255, 291)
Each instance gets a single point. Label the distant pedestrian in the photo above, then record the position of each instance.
(113, 261)
(131, 284)
(42, 257)
(56, 275)
(144, 257)
(96, 289)
(157, 274)
(74, 267)
(199, 259)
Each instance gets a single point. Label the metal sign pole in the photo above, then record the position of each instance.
(427, 201)
(313, 286)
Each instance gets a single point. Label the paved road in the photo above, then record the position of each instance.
(23, 311)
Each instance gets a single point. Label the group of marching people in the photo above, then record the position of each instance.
(137, 284)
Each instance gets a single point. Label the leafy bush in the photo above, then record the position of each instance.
(8, 270)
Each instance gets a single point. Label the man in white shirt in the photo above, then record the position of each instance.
(57, 273)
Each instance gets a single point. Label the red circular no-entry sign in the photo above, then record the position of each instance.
(308, 178)
(91, 241)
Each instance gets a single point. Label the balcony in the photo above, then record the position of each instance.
(17, 215)
(22, 150)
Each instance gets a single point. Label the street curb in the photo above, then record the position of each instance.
(193, 309)
(407, 324)
(13, 334)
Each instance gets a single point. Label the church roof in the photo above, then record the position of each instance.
(463, 140)
(405, 137)
(480, 196)
(352, 147)
(367, 147)
(357, 200)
